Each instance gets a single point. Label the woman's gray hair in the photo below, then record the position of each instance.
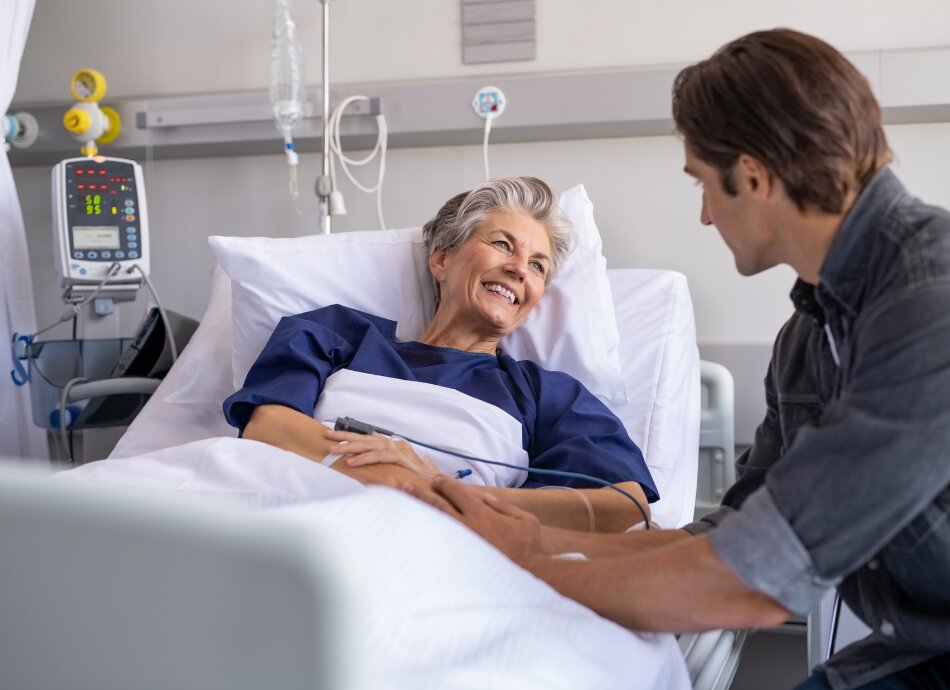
(464, 213)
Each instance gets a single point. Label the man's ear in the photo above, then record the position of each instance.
(437, 264)
(752, 175)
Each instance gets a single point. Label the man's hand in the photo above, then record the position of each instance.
(517, 533)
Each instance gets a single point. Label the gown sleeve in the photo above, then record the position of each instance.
(575, 431)
(295, 363)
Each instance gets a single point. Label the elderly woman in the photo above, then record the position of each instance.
(491, 252)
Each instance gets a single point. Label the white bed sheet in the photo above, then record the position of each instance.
(441, 607)
(659, 362)
(447, 609)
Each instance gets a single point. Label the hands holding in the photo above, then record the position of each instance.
(381, 459)
(515, 532)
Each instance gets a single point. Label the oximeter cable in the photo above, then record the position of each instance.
(20, 375)
(356, 426)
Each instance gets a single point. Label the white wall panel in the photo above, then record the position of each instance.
(646, 207)
(186, 46)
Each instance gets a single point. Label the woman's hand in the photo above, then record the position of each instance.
(361, 449)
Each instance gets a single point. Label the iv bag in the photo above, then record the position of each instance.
(286, 69)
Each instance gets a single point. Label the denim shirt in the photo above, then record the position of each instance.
(848, 482)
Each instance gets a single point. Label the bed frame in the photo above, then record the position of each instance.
(102, 588)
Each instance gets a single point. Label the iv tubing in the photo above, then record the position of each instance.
(325, 205)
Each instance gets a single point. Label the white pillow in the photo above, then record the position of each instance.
(202, 373)
(382, 272)
(574, 327)
(385, 273)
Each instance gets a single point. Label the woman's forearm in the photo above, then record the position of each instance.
(612, 511)
(288, 429)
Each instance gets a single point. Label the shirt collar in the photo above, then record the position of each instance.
(844, 271)
(803, 297)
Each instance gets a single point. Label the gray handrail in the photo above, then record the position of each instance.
(112, 386)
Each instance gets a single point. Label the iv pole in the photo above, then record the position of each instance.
(324, 185)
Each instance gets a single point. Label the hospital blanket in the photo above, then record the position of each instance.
(442, 608)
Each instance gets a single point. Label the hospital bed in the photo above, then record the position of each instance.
(148, 569)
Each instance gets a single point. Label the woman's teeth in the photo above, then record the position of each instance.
(507, 294)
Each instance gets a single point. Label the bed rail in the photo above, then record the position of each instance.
(717, 455)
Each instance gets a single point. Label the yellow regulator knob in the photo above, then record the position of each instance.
(87, 85)
(115, 124)
(77, 121)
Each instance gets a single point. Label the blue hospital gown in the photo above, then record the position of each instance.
(564, 426)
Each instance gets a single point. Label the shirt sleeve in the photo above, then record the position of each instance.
(874, 461)
(294, 365)
(575, 431)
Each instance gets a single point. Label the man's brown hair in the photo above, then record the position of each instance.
(791, 101)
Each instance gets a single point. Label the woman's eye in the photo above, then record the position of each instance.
(538, 266)
(502, 244)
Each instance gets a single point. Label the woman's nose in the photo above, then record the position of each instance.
(518, 268)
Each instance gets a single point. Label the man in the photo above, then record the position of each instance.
(848, 483)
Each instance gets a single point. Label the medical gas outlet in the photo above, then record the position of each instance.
(489, 102)
(87, 121)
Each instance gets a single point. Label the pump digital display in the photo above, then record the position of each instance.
(96, 237)
(93, 204)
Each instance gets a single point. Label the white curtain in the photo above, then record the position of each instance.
(18, 437)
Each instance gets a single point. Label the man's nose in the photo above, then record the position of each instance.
(704, 216)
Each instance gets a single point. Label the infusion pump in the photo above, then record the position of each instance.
(99, 218)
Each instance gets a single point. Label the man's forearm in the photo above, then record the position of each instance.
(681, 587)
(555, 541)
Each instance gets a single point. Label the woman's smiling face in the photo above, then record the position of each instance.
(492, 281)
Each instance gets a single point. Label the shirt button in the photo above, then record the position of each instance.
(874, 564)
(887, 628)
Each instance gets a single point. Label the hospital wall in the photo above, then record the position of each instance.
(646, 208)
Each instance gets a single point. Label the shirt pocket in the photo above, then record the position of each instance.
(918, 558)
(797, 411)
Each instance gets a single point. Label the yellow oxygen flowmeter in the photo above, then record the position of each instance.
(86, 120)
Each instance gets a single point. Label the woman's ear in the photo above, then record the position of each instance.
(437, 264)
